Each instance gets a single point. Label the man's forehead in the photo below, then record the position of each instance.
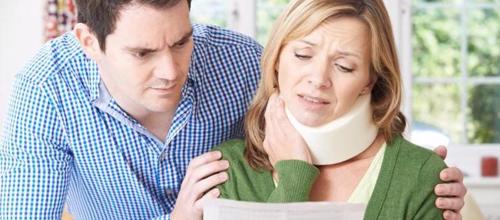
(153, 24)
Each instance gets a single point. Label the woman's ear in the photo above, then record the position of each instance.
(365, 91)
(368, 88)
(87, 40)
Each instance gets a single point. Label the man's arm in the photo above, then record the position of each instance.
(451, 193)
(34, 163)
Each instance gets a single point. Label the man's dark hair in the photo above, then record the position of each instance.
(101, 15)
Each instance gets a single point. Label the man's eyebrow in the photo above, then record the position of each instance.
(143, 49)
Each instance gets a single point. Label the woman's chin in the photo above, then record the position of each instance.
(312, 121)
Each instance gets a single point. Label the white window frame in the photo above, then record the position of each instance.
(400, 14)
(400, 11)
(242, 16)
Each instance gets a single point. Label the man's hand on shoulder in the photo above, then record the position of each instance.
(203, 174)
(450, 193)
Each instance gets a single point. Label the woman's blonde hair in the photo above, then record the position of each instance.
(299, 19)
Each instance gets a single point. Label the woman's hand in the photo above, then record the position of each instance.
(282, 140)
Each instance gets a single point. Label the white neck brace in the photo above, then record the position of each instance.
(342, 138)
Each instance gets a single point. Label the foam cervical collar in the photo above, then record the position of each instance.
(342, 138)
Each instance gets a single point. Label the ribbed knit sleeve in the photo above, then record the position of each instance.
(296, 178)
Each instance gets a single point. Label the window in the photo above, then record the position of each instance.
(267, 12)
(252, 17)
(214, 12)
(455, 66)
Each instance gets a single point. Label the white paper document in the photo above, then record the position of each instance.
(223, 209)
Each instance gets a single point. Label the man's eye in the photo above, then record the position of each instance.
(302, 57)
(181, 44)
(141, 54)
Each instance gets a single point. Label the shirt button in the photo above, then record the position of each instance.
(163, 155)
(169, 191)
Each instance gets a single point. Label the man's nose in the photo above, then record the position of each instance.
(166, 68)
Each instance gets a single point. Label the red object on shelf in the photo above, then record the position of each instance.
(489, 166)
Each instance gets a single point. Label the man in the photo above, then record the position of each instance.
(106, 119)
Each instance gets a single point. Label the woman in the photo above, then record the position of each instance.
(325, 124)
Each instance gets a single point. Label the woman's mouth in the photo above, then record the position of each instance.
(312, 102)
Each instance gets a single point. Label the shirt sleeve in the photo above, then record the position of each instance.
(296, 179)
(34, 161)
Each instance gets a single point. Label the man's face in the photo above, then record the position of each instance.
(147, 58)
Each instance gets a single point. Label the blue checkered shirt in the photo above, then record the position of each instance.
(66, 141)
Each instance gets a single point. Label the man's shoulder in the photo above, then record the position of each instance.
(51, 59)
(224, 61)
(214, 36)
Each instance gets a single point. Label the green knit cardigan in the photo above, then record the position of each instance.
(404, 188)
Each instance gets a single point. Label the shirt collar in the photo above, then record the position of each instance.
(95, 83)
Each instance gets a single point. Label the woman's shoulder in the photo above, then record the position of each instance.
(243, 179)
(405, 188)
(231, 150)
(416, 156)
(234, 152)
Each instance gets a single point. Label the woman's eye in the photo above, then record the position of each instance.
(302, 57)
(343, 68)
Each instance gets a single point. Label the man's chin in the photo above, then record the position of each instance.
(162, 106)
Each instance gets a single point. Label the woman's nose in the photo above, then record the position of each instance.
(320, 76)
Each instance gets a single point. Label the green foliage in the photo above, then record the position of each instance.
(437, 52)
(484, 108)
(436, 43)
(213, 12)
(439, 105)
(267, 12)
(484, 42)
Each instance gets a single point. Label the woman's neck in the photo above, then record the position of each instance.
(336, 182)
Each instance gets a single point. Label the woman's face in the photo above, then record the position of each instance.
(321, 75)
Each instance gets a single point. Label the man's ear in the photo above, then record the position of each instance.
(87, 40)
